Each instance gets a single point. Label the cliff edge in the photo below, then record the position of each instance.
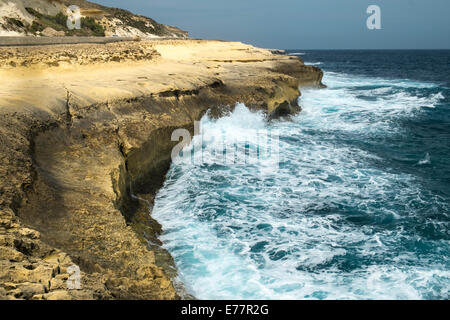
(85, 143)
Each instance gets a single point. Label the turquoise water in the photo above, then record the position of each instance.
(356, 206)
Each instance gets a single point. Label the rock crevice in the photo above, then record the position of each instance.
(84, 153)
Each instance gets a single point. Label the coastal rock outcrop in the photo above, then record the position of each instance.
(49, 18)
(86, 142)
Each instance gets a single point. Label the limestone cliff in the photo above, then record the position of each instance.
(49, 18)
(85, 131)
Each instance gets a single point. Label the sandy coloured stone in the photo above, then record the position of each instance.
(80, 134)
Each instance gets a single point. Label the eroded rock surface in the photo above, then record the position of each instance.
(48, 18)
(80, 143)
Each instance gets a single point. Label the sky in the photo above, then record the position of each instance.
(304, 24)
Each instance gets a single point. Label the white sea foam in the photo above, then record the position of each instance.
(238, 232)
(426, 160)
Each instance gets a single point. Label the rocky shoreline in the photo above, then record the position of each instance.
(85, 143)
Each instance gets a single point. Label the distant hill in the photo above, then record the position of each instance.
(49, 17)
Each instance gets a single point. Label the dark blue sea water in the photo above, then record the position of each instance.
(357, 207)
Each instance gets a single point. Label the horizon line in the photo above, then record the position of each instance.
(385, 49)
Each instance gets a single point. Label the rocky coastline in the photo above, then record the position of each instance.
(85, 135)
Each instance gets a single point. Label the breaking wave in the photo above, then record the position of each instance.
(346, 215)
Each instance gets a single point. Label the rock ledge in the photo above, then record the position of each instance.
(85, 131)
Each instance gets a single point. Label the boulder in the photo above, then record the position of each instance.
(50, 32)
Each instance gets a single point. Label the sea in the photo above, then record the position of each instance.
(352, 203)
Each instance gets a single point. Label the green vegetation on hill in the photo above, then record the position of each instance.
(89, 27)
(129, 19)
(14, 22)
